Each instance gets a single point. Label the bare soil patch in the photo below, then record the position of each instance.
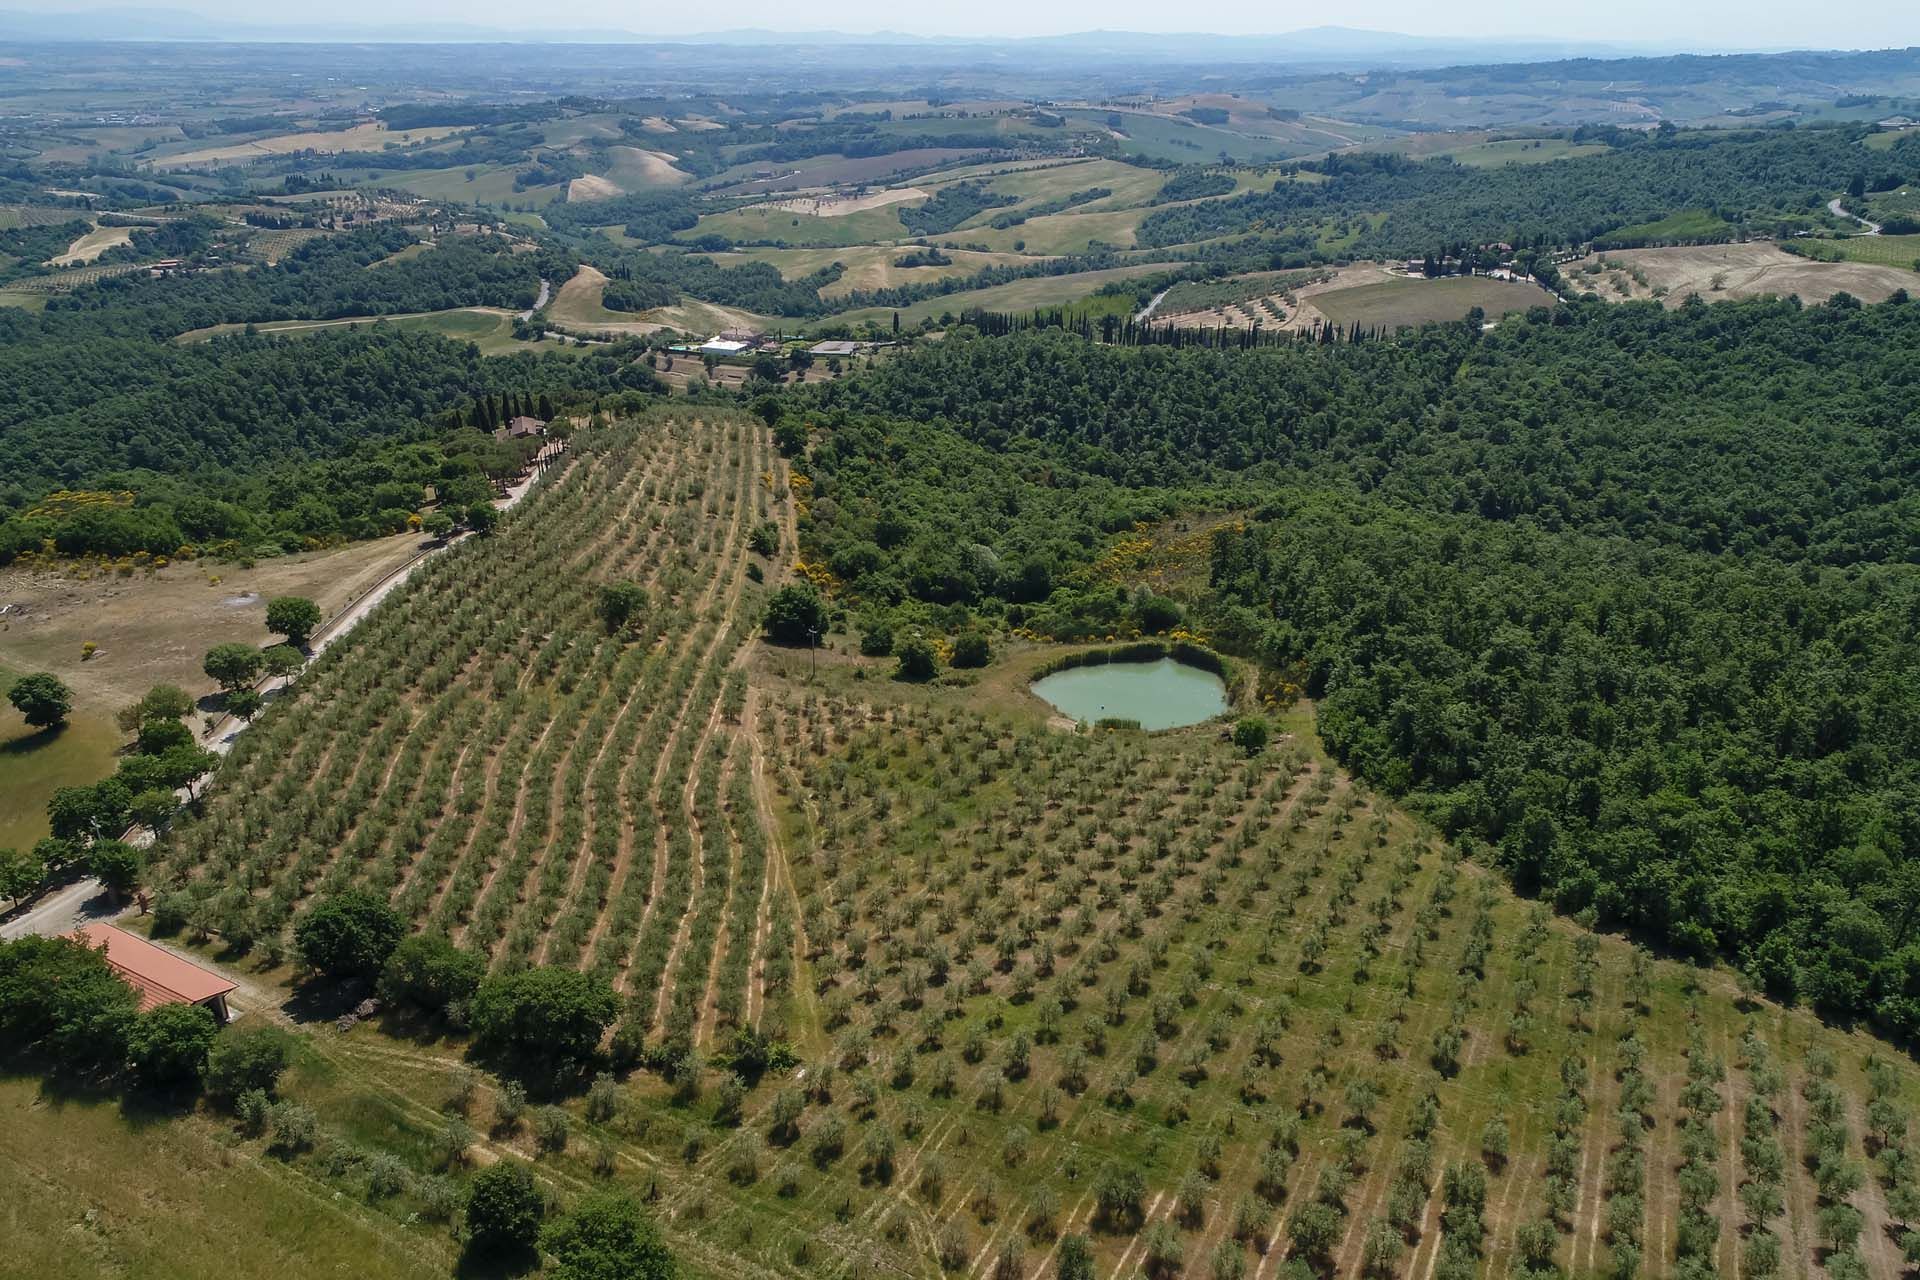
(1721, 271)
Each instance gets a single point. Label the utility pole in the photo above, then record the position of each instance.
(813, 653)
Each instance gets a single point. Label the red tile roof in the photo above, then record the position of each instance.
(159, 976)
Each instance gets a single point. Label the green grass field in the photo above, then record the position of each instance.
(1130, 185)
(1020, 295)
(765, 223)
(1494, 155)
(1688, 226)
(1887, 251)
(1884, 140)
(867, 266)
(94, 1189)
(34, 763)
(491, 329)
(1416, 302)
(1055, 233)
(490, 184)
(1156, 137)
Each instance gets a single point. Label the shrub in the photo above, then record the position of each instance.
(551, 1125)
(429, 971)
(970, 649)
(242, 1061)
(917, 660)
(167, 1046)
(504, 1208)
(291, 1127)
(796, 614)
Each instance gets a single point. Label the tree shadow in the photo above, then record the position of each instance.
(39, 740)
(491, 1262)
(324, 999)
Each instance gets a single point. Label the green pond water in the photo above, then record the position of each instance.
(1160, 695)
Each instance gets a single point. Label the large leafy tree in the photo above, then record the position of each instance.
(117, 865)
(607, 1236)
(796, 614)
(58, 996)
(233, 665)
(83, 814)
(22, 871)
(349, 934)
(544, 1013)
(622, 605)
(242, 1060)
(428, 970)
(42, 699)
(294, 617)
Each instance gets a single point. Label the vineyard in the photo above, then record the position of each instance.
(1135, 1002)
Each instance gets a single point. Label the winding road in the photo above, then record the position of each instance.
(546, 291)
(1838, 210)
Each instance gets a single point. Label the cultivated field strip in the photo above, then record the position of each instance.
(482, 750)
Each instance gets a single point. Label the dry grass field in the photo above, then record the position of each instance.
(92, 245)
(576, 307)
(154, 627)
(1406, 300)
(1724, 271)
(361, 137)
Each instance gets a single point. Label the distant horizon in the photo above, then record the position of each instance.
(1383, 23)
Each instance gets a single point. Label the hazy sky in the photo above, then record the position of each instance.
(1698, 24)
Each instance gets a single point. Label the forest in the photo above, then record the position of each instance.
(1716, 749)
(258, 440)
(1763, 181)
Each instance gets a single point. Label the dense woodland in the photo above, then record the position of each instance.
(1763, 182)
(1625, 594)
(264, 441)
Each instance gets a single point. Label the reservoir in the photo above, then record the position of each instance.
(1160, 695)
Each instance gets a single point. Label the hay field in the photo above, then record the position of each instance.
(361, 137)
(92, 245)
(1070, 232)
(577, 306)
(1371, 297)
(634, 167)
(836, 205)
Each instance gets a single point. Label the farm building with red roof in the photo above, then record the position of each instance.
(156, 974)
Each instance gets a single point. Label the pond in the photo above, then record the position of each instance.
(1160, 695)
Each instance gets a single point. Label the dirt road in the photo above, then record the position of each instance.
(1837, 210)
(85, 899)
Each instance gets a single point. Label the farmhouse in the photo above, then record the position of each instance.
(519, 428)
(722, 346)
(835, 348)
(157, 975)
